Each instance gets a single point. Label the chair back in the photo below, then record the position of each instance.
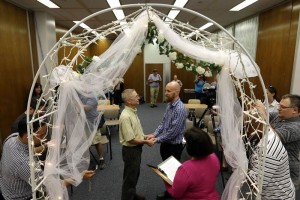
(103, 102)
(111, 114)
(194, 101)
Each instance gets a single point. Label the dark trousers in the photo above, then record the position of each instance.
(132, 162)
(167, 150)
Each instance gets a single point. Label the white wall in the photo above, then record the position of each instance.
(295, 82)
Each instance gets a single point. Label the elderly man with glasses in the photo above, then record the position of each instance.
(286, 124)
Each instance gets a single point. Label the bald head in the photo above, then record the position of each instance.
(174, 86)
(172, 91)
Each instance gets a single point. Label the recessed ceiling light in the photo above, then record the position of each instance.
(48, 3)
(243, 5)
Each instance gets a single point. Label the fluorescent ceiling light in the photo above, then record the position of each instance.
(243, 5)
(205, 26)
(86, 27)
(113, 3)
(180, 3)
(117, 12)
(48, 3)
(83, 25)
(173, 13)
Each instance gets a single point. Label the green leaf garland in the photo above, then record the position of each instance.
(180, 60)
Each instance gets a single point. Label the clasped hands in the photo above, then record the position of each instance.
(150, 140)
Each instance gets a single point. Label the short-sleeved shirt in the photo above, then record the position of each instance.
(154, 78)
(289, 133)
(130, 126)
(92, 113)
(199, 85)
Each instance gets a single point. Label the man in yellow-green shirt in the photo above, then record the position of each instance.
(132, 138)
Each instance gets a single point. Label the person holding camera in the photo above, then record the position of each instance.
(199, 83)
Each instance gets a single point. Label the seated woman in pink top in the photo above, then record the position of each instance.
(196, 178)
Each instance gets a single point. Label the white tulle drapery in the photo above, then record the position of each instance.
(230, 113)
(72, 133)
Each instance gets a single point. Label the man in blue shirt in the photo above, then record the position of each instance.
(170, 131)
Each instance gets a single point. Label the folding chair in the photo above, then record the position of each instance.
(194, 101)
(111, 119)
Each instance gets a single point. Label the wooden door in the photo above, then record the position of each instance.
(149, 69)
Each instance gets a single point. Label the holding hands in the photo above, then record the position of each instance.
(150, 139)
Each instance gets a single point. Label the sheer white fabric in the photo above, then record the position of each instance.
(72, 133)
(230, 113)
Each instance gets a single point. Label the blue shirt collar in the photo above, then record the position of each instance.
(174, 103)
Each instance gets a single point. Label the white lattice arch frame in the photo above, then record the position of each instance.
(145, 6)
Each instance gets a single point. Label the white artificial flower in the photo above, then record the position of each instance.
(208, 73)
(179, 65)
(173, 56)
(200, 70)
(160, 38)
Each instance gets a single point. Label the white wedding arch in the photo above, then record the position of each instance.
(68, 153)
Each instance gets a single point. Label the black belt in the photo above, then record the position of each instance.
(137, 146)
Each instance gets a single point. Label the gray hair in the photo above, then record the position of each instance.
(126, 94)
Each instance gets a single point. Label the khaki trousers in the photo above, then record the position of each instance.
(153, 95)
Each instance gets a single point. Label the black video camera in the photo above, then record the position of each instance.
(211, 95)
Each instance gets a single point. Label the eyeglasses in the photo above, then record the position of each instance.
(135, 97)
(285, 107)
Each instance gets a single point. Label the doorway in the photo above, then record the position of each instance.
(148, 70)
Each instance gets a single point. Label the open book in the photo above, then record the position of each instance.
(167, 169)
